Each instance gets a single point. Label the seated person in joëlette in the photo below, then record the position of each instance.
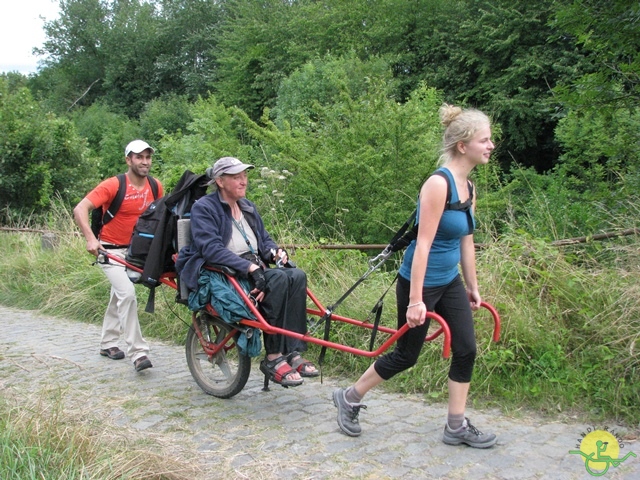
(226, 229)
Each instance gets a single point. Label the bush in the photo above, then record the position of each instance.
(41, 155)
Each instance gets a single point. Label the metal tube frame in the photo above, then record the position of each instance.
(170, 279)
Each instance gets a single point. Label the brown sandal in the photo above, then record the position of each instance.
(300, 365)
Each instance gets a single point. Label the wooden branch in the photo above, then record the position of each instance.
(83, 95)
(597, 236)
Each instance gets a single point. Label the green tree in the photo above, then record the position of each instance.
(356, 156)
(76, 54)
(264, 41)
(609, 33)
(167, 114)
(41, 155)
(126, 53)
(189, 37)
(322, 82)
(133, 48)
(598, 133)
(600, 166)
(103, 49)
(107, 132)
(212, 133)
(500, 56)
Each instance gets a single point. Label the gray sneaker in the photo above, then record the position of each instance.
(468, 434)
(347, 413)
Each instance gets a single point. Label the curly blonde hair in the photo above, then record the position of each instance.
(460, 126)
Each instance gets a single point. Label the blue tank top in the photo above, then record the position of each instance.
(444, 257)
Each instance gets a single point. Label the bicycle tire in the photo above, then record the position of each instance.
(222, 375)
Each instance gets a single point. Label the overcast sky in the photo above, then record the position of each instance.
(21, 31)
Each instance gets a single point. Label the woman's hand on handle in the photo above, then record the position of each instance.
(474, 299)
(416, 314)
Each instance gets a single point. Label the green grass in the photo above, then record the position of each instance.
(570, 317)
(41, 439)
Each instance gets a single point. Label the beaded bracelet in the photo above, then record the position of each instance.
(415, 304)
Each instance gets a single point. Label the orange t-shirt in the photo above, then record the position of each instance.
(119, 230)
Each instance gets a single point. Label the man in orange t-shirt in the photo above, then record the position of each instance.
(122, 310)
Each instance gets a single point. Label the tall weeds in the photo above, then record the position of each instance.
(570, 315)
(42, 437)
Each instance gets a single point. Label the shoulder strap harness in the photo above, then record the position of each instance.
(122, 190)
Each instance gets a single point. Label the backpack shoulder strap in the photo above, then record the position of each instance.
(440, 173)
(404, 235)
(122, 190)
(153, 183)
(117, 201)
(466, 205)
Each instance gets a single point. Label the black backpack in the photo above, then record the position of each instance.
(154, 239)
(98, 219)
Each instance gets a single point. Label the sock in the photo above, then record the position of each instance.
(352, 395)
(455, 421)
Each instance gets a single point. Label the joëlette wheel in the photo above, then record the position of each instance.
(224, 374)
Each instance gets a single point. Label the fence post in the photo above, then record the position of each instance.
(49, 241)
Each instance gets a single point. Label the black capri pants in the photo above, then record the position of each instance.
(285, 306)
(451, 303)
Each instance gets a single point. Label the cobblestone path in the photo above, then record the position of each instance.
(285, 433)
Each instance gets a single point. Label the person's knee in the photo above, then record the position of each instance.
(464, 347)
(410, 361)
(276, 279)
(298, 277)
(466, 356)
(462, 366)
(297, 273)
(404, 361)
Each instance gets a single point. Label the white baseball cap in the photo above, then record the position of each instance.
(137, 146)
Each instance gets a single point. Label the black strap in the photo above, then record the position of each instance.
(151, 301)
(403, 238)
(401, 241)
(327, 317)
(254, 257)
(465, 207)
(377, 310)
(114, 206)
(327, 330)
